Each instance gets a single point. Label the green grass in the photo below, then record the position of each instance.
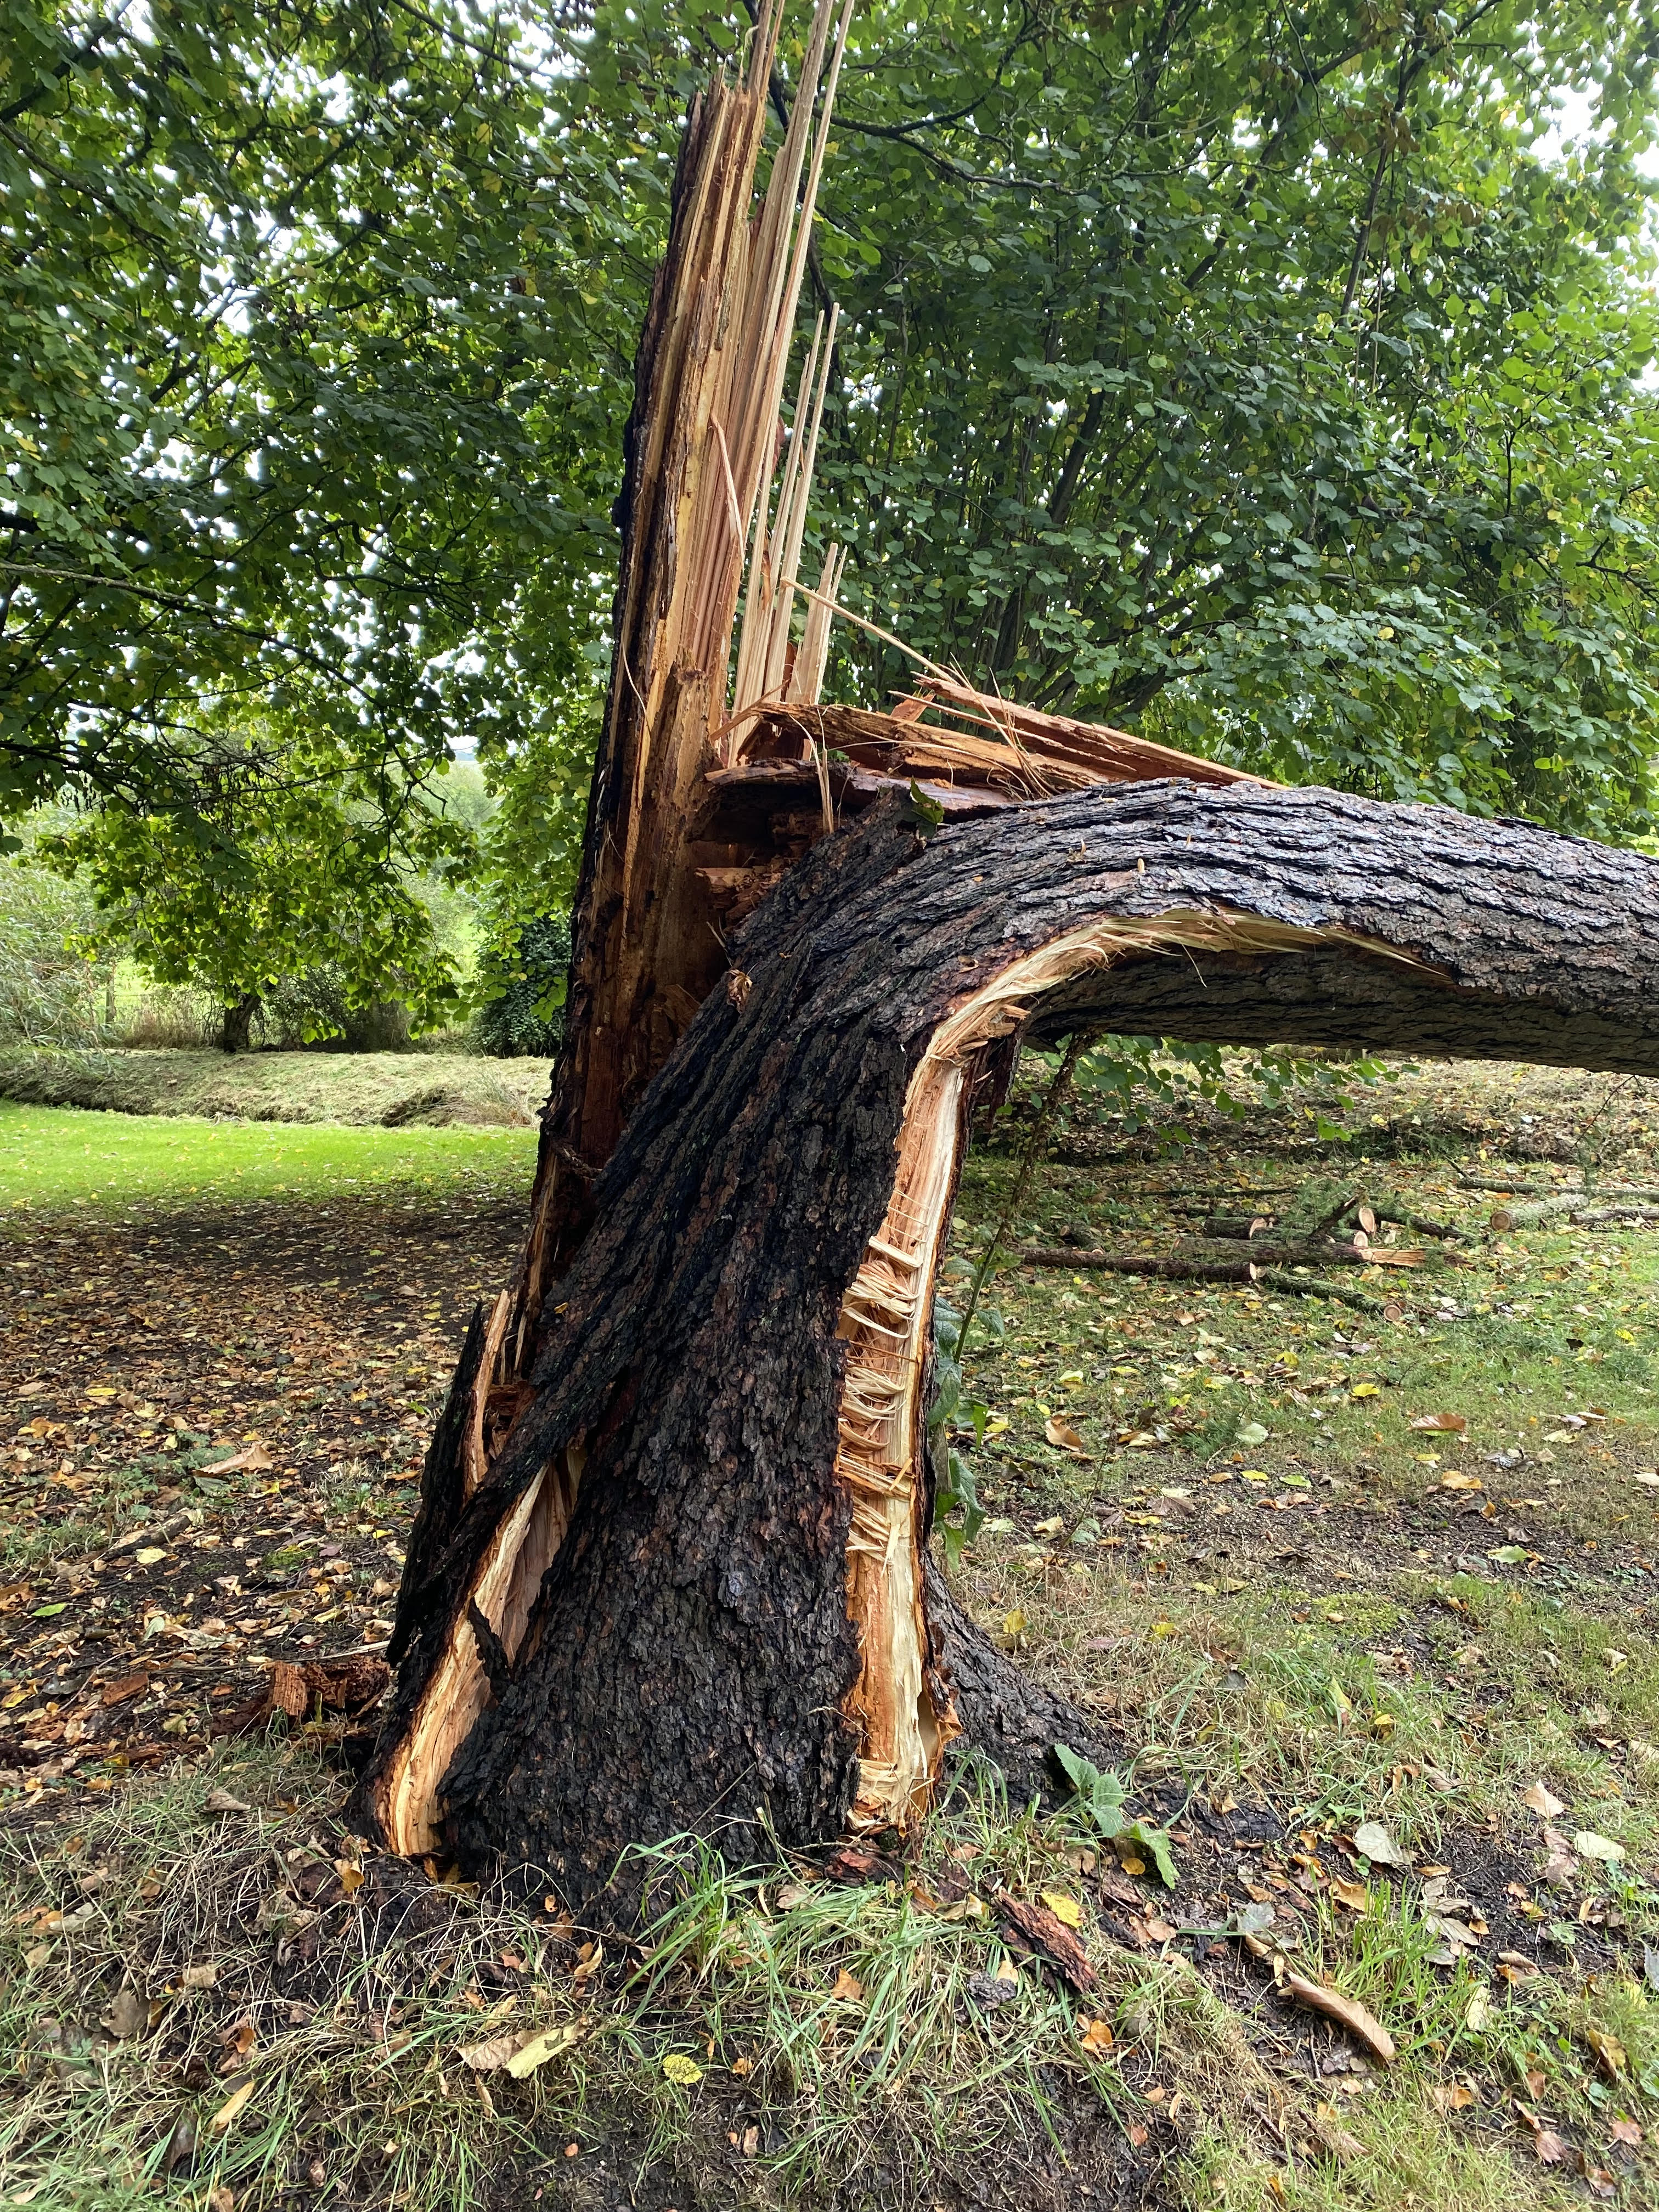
(55, 1158)
(438, 1089)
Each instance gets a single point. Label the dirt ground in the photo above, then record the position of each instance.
(1359, 1597)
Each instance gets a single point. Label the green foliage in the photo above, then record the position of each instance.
(51, 992)
(523, 995)
(1266, 382)
(1262, 379)
(316, 330)
(279, 882)
(1141, 1078)
(1098, 1796)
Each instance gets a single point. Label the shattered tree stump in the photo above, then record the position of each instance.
(692, 1589)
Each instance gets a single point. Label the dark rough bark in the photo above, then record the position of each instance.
(687, 1661)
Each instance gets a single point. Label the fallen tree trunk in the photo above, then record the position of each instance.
(691, 1590)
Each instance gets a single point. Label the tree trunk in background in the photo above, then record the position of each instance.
(691, 1590)
(238, 1025)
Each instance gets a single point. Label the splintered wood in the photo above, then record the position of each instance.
(886, 1317)
(408, 1792)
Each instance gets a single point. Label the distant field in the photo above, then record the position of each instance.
(52, 1158)
(394, 1089)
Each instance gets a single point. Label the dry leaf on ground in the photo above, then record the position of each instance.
(1065, 1438)
(1541, 1801)
(542, 2047)
(231, 2105)
(1589, 1845)
(1372, 1838)
(1360, 2022)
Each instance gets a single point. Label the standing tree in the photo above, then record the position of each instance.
(671, 1569)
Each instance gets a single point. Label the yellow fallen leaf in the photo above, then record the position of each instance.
(351, 1877)
(1452, 1479)
(1366, 1390)
(150, 1555)
(1353, 1894)
(1609, 2050)
(1066, 1910)
(227, 2111)
(1013, 1624)
(678, 2068)
(540, 2048)
(849, 1989)
(1096, 2036)
(1453, 1424)
(1589, 1845)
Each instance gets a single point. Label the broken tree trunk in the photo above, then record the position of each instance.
(691, 1591)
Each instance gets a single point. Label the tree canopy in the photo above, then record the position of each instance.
(1275, 380)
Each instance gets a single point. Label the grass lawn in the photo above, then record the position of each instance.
(57, 1157)
(1364, 1594)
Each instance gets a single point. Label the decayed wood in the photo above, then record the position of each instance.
(728, 1347)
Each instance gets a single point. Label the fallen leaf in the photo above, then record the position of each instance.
(789, 1895)
(1374, 1842)
(351, 1876)
(1353, 1894)
(1589, 1845)
(1066, 1910)
(678, 2068)
(198, 1978)
(232, 2105)
(127, 2014)
(1333, 2137)
(849, 1989)
(1479, 2013)
(1541, 1801)
(1450, 1424)
(220, 2199)
(493, 2053)
(1361, 2023)
(129, 1685)
(1096, 2035)
(1626, 2132)
(1547, 2148)
(220, 1801)
(1454, 1479)
(1251, 1435)
(540, 2048)
(1064, 1437)
(1453, 2096)
(1609, 2051)
(252, 1459)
